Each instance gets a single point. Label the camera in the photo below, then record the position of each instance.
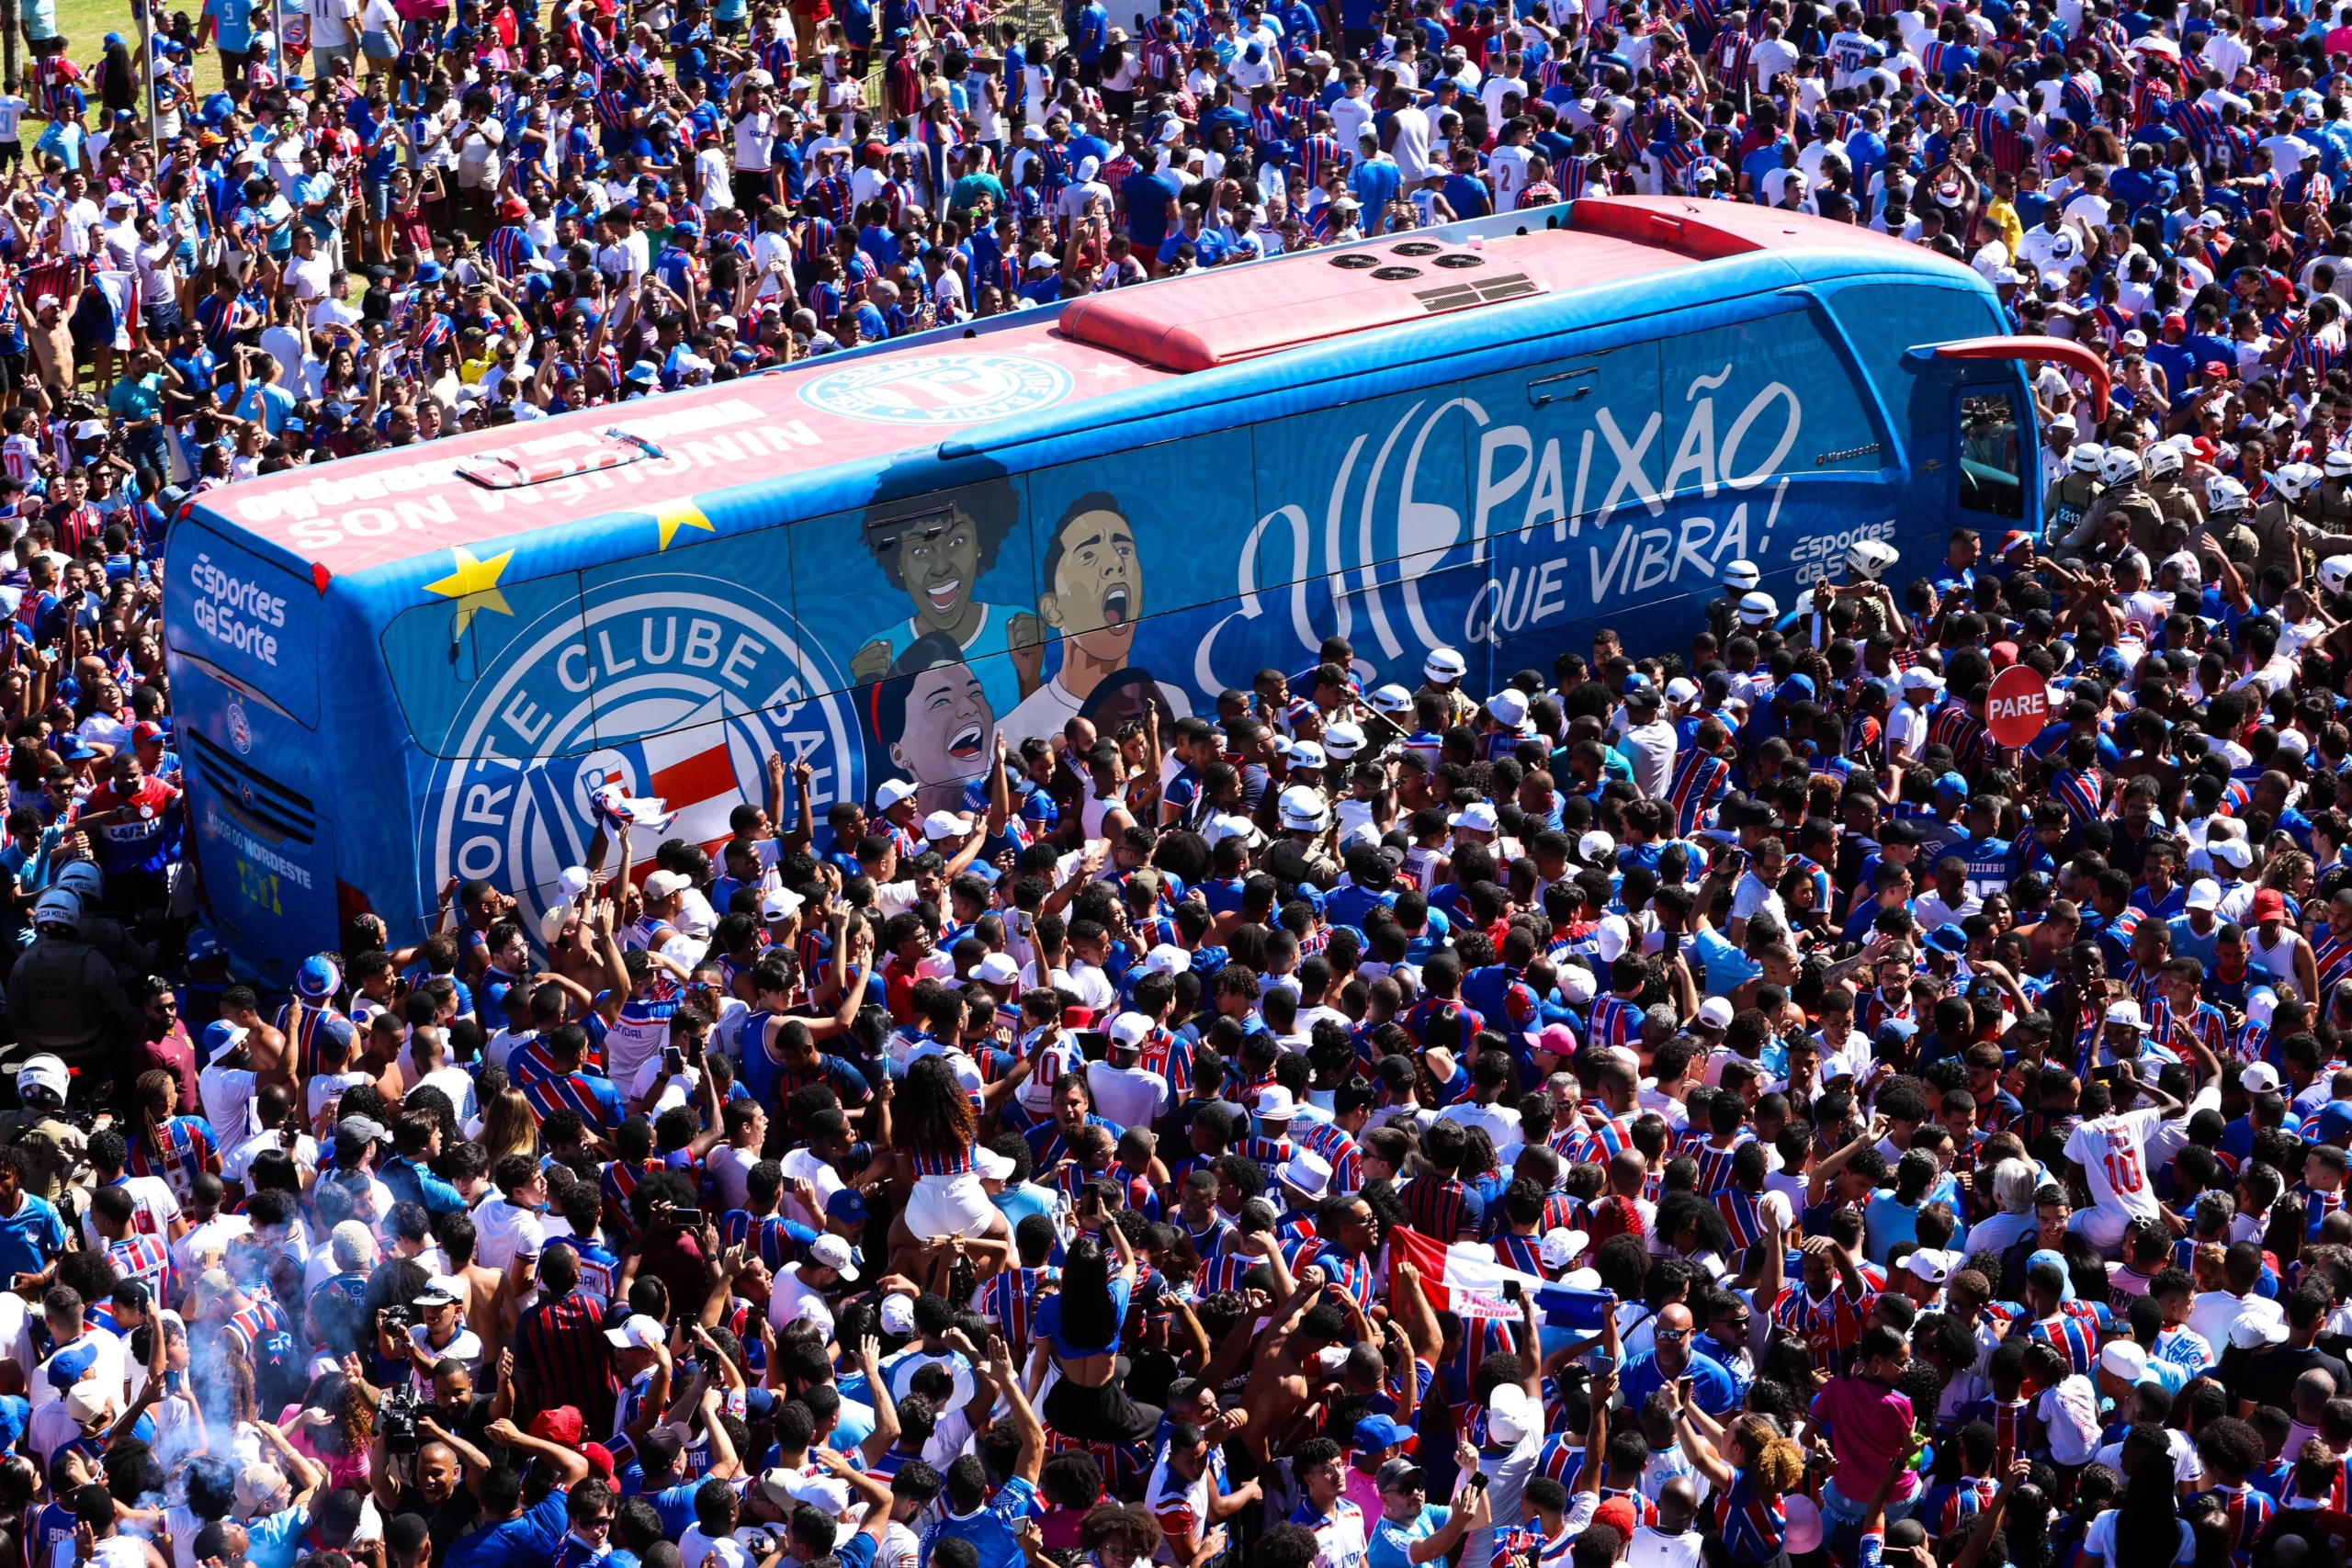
(396, 1419)
(396, 1319)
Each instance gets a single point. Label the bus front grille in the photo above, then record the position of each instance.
(283, 811)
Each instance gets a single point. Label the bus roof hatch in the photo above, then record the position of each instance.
(1261, 309)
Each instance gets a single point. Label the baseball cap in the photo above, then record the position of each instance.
(1556, 1038)
(998, 969)
(889, 792)
(640, 1331)
(2125, 1359)
(942, 825)
(1511, 1415)
(1478, 818)
(1929, 1264)
(835, 1254)
(2259, 1077)
(441, 1290)
(1398, 1472)
(1376, 1432)
(2204, 894)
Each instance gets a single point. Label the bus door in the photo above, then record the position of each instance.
(1988, 449)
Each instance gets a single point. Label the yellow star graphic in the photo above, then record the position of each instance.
(672, 515)
(474, 585)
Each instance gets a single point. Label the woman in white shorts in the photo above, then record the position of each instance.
(935, 1130)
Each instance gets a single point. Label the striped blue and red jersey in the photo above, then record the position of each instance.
(2074, 1335)
(1946, 1508)
(955, 1161)
(145, 1259)
(2083, 794)
(1009, 1302)
(1338, 1149)
(1828, 1325)
(187, 1152)
(1615, 1021)
(1741, 1213)
(1048, 1148)
(1750, 1524)
(2248, 1511)
(1523, 1253)
(1714, 1164)
(1437, 1206)
(260, 1329)
(592, 1095)
(306, 1051)
(768, 1233)
(1701, 780)
(1170, 1055)
(613, 1185)
(2332, 955)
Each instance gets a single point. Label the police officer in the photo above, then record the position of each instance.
(2333, 511)
(2272, 521)
(2168, 487)
(2124, 497)
(2068, 501)
(1739, 579)
(2226, 524)
(64, 996)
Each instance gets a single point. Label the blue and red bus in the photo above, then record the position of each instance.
(1498, 437)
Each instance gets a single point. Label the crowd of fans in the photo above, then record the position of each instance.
(1704, 1105)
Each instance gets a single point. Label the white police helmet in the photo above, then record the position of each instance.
(2296, 480)
(1869, 558)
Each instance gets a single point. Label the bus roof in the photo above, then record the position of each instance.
(656, 456)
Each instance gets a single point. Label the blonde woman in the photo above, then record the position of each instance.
(508, 1127)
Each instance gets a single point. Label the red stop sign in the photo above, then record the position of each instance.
(2017, 708)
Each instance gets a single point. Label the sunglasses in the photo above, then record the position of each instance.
(1673, 1335)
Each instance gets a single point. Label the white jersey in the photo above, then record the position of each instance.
(1339, 1538)
(2112, 1151)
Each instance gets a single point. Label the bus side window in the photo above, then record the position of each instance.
(1992, 458)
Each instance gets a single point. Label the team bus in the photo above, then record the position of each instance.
(1497, 436)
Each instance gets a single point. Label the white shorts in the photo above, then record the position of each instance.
(950, 1205)
(2103, 1227)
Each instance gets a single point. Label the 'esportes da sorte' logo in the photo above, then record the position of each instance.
(658, 684)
